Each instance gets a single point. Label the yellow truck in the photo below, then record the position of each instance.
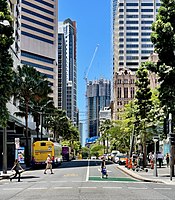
(40, 152)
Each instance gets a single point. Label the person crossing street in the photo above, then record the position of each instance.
(48, 164)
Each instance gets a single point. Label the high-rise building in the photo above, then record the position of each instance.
(98, 96)
(132, 21)
(131, 30)
(68, 27)
(39, 39)
(62, 81)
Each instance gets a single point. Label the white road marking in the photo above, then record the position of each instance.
(87, 174)
(62, 188)
(40, 188)
(134, 188)
(112, 187)
(87, 187)
(162, 188)
(13, 189)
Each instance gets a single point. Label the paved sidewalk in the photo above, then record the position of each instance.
(163, 174)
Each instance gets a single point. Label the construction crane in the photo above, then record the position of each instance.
(87, 72)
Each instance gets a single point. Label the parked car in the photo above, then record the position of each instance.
(120, 159)
(93, 157)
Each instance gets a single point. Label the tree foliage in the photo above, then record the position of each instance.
(144, 104)
(163, 38)
(6, 62)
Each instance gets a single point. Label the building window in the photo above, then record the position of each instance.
(125, 92)
(132, 34)
(132, 22)
(119, 81)
(125, 81)
(146, 22)
(132, 28)
(132, 52)
(132, 16)
(146, 40)
(146, 10)
(132, 39)
(132, 10)
(119, 92)
(146, 4)
(131, 4)
(132, 92)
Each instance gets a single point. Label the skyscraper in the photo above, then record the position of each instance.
(98, 96)
(68, 27)
(62, 81)
(39, 38)
(132, 21)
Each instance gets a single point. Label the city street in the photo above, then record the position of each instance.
(81, 180)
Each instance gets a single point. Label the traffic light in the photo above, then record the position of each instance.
(172, 138)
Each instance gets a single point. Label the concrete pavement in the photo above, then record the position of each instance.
(163, 174)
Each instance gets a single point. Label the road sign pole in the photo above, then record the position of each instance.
(171, 149)
(5, 150)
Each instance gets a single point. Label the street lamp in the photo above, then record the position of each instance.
(155, 158)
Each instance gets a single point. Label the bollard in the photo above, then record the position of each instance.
(152, 163)
(126, 165)
(130, 163)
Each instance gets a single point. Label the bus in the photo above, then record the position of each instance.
(67, 153)
(40, 152)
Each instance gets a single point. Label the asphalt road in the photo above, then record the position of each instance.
(81, 180)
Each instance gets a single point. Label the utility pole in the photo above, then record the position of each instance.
(5, 150)
(172, 143)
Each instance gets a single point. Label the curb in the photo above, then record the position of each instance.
(138, 177)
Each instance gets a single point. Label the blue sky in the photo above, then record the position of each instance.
(93, 19)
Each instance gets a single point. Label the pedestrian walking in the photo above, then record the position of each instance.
(16, 167)
(48, 164)
(167, 159)
(103, 168)
(160, 158)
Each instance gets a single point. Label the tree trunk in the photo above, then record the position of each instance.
(144, 150)
(27, 159)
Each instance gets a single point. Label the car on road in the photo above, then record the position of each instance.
(93, 157)
(120, 159)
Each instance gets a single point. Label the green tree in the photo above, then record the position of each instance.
(6, 62)
(163, 38)
(144, 104)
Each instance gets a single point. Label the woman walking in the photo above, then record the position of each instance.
(16, 167)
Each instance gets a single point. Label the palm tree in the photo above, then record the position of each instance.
(28, 83)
